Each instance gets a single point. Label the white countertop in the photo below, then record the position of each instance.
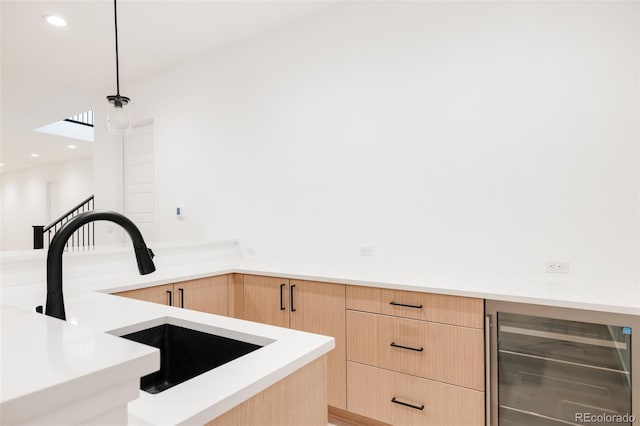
(92, 315)
(213, 393)
(621, 297)
(206, 259)
(72, 357)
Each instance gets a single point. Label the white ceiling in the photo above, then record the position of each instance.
(50, 73)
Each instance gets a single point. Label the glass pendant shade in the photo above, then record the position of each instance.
(119, 115)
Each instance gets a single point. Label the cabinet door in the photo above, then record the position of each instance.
(204, 295)
(266, 300)
(162, 294)
(320, 308)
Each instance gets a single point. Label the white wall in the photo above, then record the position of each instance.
(24, 198)
(485, 136)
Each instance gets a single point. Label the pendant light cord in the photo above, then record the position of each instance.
(115, 15)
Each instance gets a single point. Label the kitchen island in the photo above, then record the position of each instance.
(71, 359)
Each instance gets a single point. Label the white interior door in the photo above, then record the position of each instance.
(140, 180)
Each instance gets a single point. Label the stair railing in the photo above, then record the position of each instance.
(82, 239)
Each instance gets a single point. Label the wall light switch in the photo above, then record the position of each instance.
(179, 211)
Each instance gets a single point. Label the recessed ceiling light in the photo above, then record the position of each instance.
(71, 146)
(56, 21)
(35, 155)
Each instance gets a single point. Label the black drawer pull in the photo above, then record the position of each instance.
(282, 308)
(181, 290)
(291, 297)
(395, 401)
(406, 306)
(170, 293)
(406, 347)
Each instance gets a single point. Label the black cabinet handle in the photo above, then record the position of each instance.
(406, 306)
(406, 347)
(181, 290)
(170, 293)
(282, 308)
(395, 401)
(291, 296)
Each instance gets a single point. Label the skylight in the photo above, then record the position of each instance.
(79, 126)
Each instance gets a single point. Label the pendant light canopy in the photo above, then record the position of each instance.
(119, 112)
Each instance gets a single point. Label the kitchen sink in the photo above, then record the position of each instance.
(186, 353)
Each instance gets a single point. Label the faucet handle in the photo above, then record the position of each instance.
(151, 253)
(39, 309)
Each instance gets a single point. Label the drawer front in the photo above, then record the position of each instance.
(455, 310)
(371, 390)
(440, 352)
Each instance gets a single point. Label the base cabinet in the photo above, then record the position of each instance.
(320, 308)
(299, 399)
(266, 300)
(161, 294)
(415, 358)
(205, 294)
(401, 357)
(309, 306)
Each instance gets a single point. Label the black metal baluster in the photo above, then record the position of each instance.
(72, 236)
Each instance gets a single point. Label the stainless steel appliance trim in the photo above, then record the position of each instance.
(487, 369)
(492, 307)
(577, 364)
(565, 337)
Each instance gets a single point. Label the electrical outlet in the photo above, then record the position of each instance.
(554, 267)
(366, 251)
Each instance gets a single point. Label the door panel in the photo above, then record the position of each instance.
(204, 295)
(264, 298)
(157, 294)
(320, 308)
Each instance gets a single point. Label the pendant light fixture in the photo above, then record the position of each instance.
(119, 113)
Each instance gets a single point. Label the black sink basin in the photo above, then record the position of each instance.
(185, 354)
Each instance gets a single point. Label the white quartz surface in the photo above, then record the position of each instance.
(92, 315)
(200, 399)
(551, 290)
(193, 402)
(192, 262)
(65, 358)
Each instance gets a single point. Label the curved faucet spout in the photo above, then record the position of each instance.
(55, 300)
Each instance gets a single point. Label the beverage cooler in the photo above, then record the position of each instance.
(551, 366)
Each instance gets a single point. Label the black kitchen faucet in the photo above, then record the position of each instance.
(55, 300)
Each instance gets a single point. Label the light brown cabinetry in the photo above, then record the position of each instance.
(415, 358)
(401, 399)
(162, 294)
(300, 399)
(205, 294)
(266, 300)
(306, 306)
(442, 352)
(454, 310)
